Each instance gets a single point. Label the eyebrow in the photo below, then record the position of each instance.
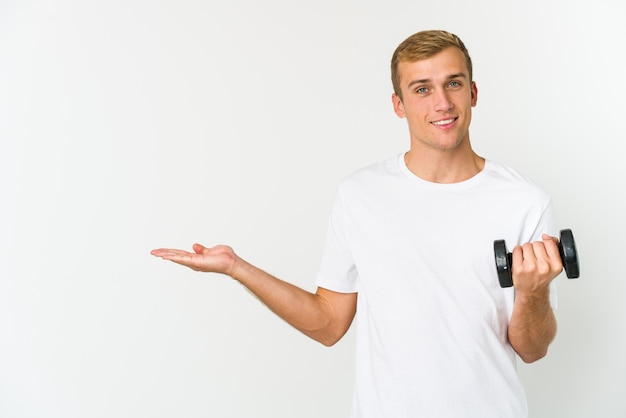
(428, 80)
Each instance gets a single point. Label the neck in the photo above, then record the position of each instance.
(444, 166)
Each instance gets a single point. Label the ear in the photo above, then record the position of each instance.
(474, 94)
(398, 106)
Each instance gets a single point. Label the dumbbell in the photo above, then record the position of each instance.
(567, 248)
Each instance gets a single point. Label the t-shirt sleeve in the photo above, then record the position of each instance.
(337, 270)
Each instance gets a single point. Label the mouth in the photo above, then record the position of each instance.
(443, 122)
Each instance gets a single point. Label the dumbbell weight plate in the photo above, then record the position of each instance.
(569, 255)
(503, 263)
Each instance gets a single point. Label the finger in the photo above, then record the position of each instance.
(542, 259)
(528, 252)
(162, 252)
(184, 261)
(522, 254)
(546, 237)
(183, 258)
(524, 258)
(551, 245)
(553, 253)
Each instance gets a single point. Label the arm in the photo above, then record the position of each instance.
(324, 316)
(533, 324)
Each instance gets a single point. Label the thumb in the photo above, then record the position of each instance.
(199, 249)
(547, 237)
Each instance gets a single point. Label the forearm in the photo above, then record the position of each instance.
(533, 326)
(324, 316)
(308, 312)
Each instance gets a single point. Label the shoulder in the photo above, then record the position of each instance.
(507, 179)
(374, 174)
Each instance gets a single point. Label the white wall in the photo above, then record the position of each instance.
(130, 125)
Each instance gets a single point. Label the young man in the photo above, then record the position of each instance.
(410, 247)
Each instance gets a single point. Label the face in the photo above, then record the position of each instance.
(437, 100)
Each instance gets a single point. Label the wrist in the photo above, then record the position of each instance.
(535, 297)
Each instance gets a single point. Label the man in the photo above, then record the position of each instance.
(410, 247)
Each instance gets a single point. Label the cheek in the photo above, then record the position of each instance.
(417, 109)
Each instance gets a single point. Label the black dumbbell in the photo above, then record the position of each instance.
(567, 248)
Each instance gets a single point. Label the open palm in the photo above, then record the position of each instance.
(218, 259)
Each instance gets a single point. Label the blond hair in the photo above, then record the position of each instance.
(423, 45)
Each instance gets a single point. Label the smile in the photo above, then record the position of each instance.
(443, 122)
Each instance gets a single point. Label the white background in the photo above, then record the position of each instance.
(131, 125)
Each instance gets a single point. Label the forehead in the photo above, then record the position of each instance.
(439, 67)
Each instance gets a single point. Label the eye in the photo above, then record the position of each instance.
(455, 84)
(421, 90)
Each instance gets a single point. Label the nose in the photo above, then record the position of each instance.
(442, 101)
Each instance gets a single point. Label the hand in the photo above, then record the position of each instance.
(219, 259)
(536, 264)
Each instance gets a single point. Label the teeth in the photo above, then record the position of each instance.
(443, 122)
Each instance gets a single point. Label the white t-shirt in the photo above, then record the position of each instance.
(431, 323)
